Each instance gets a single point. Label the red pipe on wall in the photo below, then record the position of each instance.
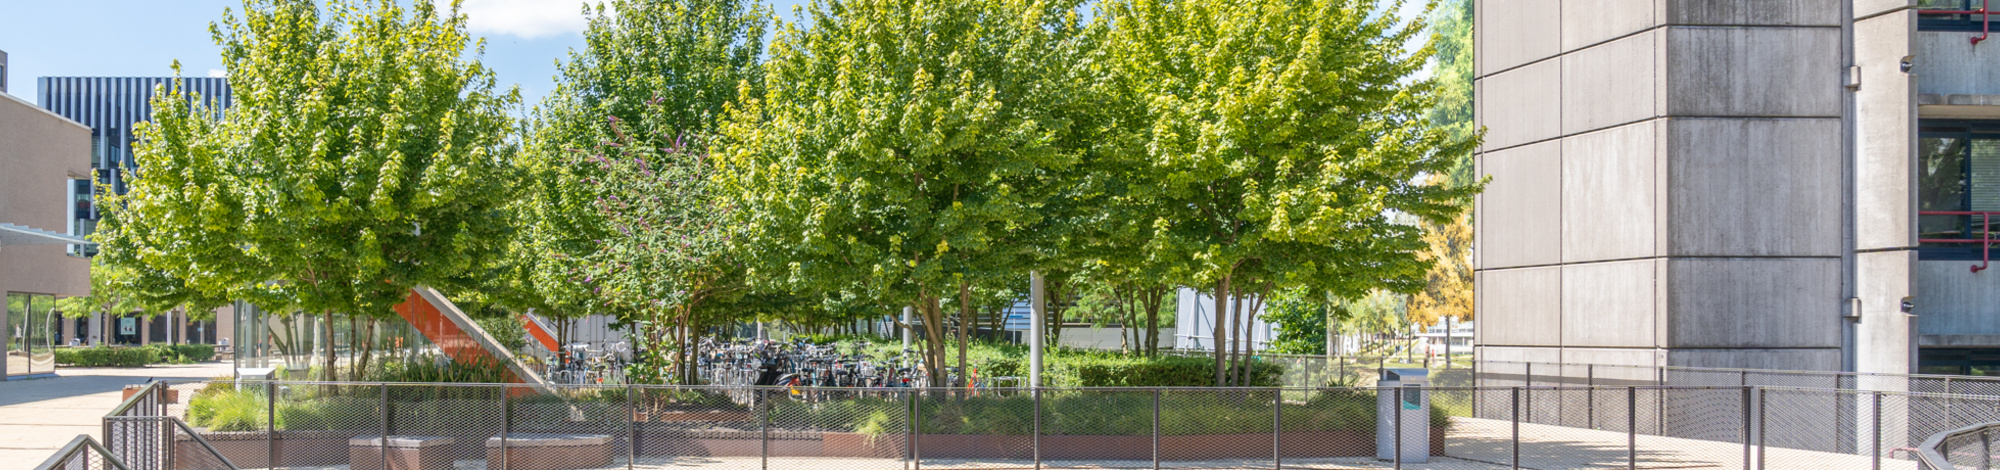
(1985, 13)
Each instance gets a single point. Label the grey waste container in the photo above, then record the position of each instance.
(1413, 405)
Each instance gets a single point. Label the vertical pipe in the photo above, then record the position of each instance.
(1156, 429)
(1037, 313)
(1632, 428)
(631, 428)
(1516, 400)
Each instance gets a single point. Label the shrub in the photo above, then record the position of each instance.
(1166, 372)
(107, 357)
(227, 410)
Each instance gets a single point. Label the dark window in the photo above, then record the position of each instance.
(1958, 361)
(1932, 15)
(1958, 183)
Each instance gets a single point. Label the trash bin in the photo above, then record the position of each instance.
(1402, 396)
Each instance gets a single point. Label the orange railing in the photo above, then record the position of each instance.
(1985, 233)
(1985, 18)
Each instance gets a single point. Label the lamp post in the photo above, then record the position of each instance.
(1037, 311)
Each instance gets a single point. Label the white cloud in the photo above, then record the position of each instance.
(527, 19)
(218, 73)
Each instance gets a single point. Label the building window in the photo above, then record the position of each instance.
(1950, 15)
(1958, 187)
(1958, 361)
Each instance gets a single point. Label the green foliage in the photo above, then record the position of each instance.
(184, 353)
(431, 369)
(1301, 318)
(1451, 33)
(1171, 371)
(103, 356)
(226, 410)
(510, 330)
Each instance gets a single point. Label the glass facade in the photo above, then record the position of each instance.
(1958, 170)
(32, 324)
(297, 343)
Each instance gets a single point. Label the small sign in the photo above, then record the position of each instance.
(128, 326)
(1412, 398)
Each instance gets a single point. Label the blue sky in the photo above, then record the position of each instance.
(47, 38)
(143, 37)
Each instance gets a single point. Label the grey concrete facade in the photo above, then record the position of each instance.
(1670, 183)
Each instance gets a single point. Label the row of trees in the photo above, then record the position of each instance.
(878, 154)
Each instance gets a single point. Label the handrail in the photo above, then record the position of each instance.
(1985, 239)
(148, 392)
(81, 443)
(1985, 13)
(1937, 460)
(196, 437)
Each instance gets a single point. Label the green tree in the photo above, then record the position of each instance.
(1451, 24)
(1301, 317)
(652, 80)
(1277, 134)
(366, 154)
(901, 148)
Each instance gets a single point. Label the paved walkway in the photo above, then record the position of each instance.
(37, 417)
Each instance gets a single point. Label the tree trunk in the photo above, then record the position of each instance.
(933, 338)
(1256, 304)
(964, 323)
(331, 361)
(1220, 330)
(1152, 306)
(367, 351)
(1237, 338)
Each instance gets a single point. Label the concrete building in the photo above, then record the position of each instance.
(1738, 183)
(109, 107)
(41, 156)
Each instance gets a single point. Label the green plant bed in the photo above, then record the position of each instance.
(107, 357)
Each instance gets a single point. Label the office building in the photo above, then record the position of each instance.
(109, 107)
(1777, 184)
(42, 155)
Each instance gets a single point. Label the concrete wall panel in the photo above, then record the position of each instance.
(1776, 359)
(1519, 306)
(1885, 121)
(1522, 207)
(1523, 30)
(1753, 72)
(1753, 12)
(1608, 197)
(1522, 105)
(1754, 187)
(1953, 300)
(1610, 84)
(1616, 366)
(1951, 65)
(1608, 304)
(1586, 23)
(1753, 302)
(1520, 354)
(39, 152)
(1883, 339)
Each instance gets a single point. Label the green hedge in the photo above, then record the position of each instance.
(1167, 372)
(107, 357)
(140, 356)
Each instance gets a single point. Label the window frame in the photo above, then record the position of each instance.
(1969, 131)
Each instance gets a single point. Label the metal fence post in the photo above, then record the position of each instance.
(1590, 396)
(271, 424)
(1037, 444)
(506, 422)
(1746, 428)
(1761, 449)
(1875, 448)
(1985, 450)
(1632, 428)
(1396, 408)
(1516, 400)
(385, 427)
(916, 430)
(1277, 428)
(1156, 429)
(763, 429)
(631, 428)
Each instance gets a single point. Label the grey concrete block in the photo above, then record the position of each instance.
(1523, 30)
(1885, 142)
(1609, 304)
(1522, 105)
(1546, 355)
(1871, 8)
(1585, 23)
(1610, 84)
(1753, 303)
(1764, 72)
(1882, 338)
(1753, 12)
(1753, 187)
(1520, 212)
(1953, 300)
(1519, 306)
(1827, 359)
(1608, 193)
(1949, 64)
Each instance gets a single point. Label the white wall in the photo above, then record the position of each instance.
(1195, 325)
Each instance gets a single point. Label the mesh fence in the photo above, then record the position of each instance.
(1554, 424)
(83, 453)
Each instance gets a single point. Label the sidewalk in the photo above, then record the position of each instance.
(37, 417)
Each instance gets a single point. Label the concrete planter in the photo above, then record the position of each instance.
(294, 448)
(1293, 444)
